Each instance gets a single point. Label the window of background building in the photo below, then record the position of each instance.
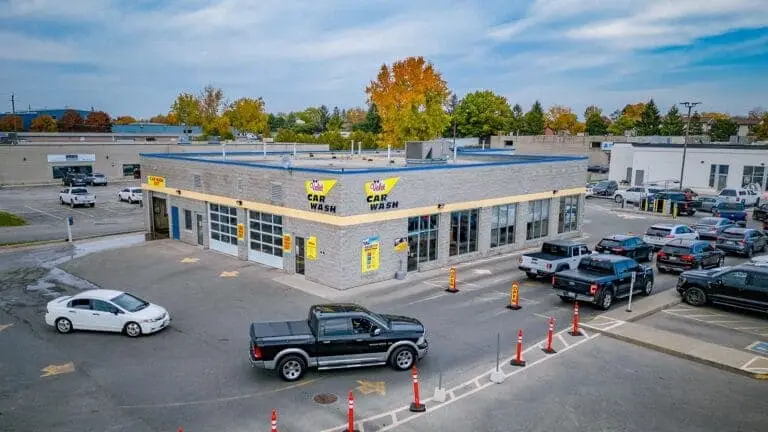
(752, 174)
(422, 239)
(128, 169)
(503, 225)
(187, 220)
(463, 232)
(718, 176)
(538, 219)
(569, 211)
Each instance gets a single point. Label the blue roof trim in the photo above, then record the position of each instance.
(527, 159)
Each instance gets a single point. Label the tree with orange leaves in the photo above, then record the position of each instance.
(410, 98)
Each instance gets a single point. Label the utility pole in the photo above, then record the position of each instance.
(13, 103)
(690, 106)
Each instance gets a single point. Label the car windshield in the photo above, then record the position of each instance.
(553, 249)
(98, 175)
(129, 302)
(609, 243)
(136, 190)
(728, 192)
(658, 231)
(79, 191)
(731, 206)
(676, 250)
(708, 221)
(596, 266)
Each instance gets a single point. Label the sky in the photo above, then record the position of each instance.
(133, 57)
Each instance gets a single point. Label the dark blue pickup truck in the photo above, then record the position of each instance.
(731, 211)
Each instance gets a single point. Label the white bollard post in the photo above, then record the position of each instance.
(294, 150)
(631, 288)
(69, 232)
(265, 149)
(440, 394)
(389, 152)
(360, 148)
(497, 376)
(351, 147)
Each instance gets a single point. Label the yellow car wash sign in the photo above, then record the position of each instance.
(156, 181)
(377, 193)
(317, 191)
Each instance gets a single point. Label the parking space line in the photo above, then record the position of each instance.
(562, 340)
(748, 328)
(83, 213)
(678, 310)
(427, 299)
(45, 213)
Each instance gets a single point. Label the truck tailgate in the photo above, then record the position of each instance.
(280, 329)
(571, 281)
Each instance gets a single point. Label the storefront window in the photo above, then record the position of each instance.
(128, 169)
(463, 232)
(569, 211)
(752, 175)
(538, 219)
(422, 240)
(503, 225)
(60, 172)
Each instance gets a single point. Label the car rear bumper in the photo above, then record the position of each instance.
(674, 266)
(738, 249)
(575, 296)
(537, 271)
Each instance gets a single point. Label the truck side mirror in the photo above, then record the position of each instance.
(376, 331)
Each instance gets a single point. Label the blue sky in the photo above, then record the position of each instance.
(134, 57)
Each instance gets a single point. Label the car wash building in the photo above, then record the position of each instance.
(344, 219)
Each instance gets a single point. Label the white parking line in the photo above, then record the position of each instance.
(720, 322)
(427, 299)
(45, 213)
(83, 213)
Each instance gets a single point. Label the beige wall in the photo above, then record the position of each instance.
(27, 163)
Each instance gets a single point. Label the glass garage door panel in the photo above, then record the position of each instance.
(222, 228)
(265, 238)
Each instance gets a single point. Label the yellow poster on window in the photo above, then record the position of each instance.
(312, 248)
(370, 254)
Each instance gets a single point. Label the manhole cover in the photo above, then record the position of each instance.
(325, 398)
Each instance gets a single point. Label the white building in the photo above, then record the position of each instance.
(707, 166)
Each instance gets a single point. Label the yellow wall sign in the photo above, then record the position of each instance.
(317, 190)
(312, 248)
(156, 181)
(240, 231)
(287, 243)
(370, 254)
(401, 245)
(377, 193)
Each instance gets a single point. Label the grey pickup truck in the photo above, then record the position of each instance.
(337, 336)
(555, 256)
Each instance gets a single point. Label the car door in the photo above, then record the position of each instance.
(729, 287)
(624, 278)
(123, 194)
(336, 345)
(683, 232)
(105, 316)
(79, 313)
(370, 343)
(759, 240)
(710, 258)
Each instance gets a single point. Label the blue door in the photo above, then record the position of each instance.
(175, 223)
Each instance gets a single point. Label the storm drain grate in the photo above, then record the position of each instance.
(325, 398)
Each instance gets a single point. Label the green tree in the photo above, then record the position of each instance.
(695, 124)
(335, 121)
(723, 129)
(760, 131)
(70, 121)
(323, 117)
(590, 109)
(372, 122)
(517, 121)
(353, 117)
(672, 125)
(248, 115)
(483, 114)
(276, 122)
(368, 139)
(11, 123)
(650, 120)
(534, 120)
(187, 109)
(595, 123)
(211, 101)
(43, 123)
(450, 108)
(334, 139)
(621, 125)
(561, 119)
(220, 127)
(98, 121)
(125, 119)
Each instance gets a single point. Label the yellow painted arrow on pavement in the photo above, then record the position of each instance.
(368, 387)
(52, 370)
(229, 274)
(190, 260)
(5, 326)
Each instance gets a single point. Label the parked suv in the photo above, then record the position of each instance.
(75, 180)
(626, 245)
(711, 227)
(732, 195)
(97, 179)
(660, 234)
(684, 206)
(742, 241)
(681, 255)
(744, 286)
(605, 188)
(634, 194)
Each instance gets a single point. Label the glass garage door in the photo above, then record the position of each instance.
(265, 238)
(223, 228)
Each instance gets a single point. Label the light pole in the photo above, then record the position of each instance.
(690, 106)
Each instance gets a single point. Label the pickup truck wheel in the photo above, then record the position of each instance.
(606, 299)
(695, 297)
(93, 205)
(531, 275)
(72, 204)
(618, 199)
(403, 358)
(648, 288)
(61, 200)
(291, 368)
(565, 299)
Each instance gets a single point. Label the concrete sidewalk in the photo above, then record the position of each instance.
(619, 324)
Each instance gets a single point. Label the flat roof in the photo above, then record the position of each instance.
(700, 146)
(341, 162)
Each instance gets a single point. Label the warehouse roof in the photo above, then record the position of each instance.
(341, 162)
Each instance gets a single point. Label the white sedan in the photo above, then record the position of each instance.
(132, 195)
(106, 310)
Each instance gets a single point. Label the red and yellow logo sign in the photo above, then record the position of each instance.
(317, 190)
(377, 193)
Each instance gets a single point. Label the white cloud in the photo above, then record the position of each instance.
(16, 47)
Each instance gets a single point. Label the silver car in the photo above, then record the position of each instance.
(711, 227)
(97, 179)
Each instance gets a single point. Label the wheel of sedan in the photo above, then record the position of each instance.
(648, 288)
(132, 329)
(695, 297)
(403, 358)
(291, 368)
(606, 299)
(63, 325)
(721, 261)
(750, 251)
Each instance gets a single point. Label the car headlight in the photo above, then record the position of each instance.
(422, 340)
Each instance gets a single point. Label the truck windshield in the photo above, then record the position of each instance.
(79, 191)
(554, 249)
(731, 206)
(596, 266)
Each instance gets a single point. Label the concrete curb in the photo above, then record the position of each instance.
(645, 213)
(19, 186)
(40, 243)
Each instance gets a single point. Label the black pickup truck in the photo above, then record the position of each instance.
(337, 336)
(600, 279)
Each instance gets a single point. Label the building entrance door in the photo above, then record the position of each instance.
(160, 226)
(639, 177)
(300, 255)
(200, 229)
(413, 253)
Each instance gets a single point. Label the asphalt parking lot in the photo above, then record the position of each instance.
(46, 217)
(195, 373)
